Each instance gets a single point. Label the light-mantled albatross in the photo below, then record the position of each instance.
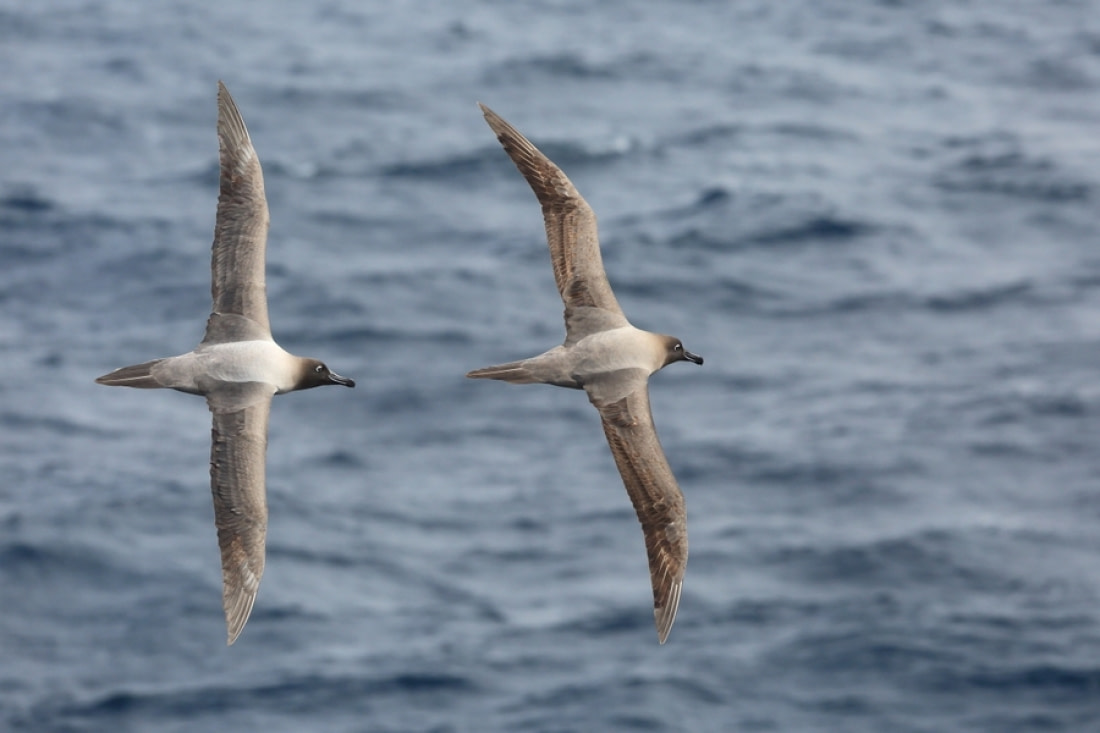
(238, 367)
(608, 358)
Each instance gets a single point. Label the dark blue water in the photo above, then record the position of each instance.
(878, 221)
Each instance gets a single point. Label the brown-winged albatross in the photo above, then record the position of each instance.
(608, 358)
(237, 367)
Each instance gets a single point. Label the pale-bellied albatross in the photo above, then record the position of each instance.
(238, 367)
(608, 358)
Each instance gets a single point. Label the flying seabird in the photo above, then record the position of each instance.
(608, 358)
(237, 367)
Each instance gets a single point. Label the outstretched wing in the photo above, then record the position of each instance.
(237, 457)
(570, 222)
(240, 234)
(622, 398)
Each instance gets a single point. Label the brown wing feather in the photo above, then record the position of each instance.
(237, 456)
(240, 232)
(628, 425)
(571, 229)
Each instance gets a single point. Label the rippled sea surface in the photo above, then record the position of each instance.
(878, 221)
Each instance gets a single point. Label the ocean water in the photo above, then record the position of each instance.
(878, 221)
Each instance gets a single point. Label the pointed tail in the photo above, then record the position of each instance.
(138, 375)
(514, 371)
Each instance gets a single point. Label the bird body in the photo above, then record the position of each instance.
(575, 366)
(201, 370)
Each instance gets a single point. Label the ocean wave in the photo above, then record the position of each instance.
(783, 302)
(1011, 407)
(788, 82)
(1020, 291)
(83, 120)
(576, 66)
(297, 694)
(614, 703)
(343, 460)
(887, 560)
(811, 229)
(615, 621)
(313, 96)
(882, 654)
(453, 168)
(25, 200)
(997, 165)
(723, 293)
(37, 563)
(490, 160)
(50, 424)
(368, 334)
(963, 300)
(719, 219)
(1038, 678)
(37, 229)
(725, 132)
(1058, 74)
(815, 228)
(741, 135)
(947, 559)
(557, 65)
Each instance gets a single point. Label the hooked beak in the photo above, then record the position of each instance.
(337, 379)
(693, 357)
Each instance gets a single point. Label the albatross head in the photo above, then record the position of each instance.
(315, 374)
(675, 351)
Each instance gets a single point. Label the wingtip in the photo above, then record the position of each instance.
(232, 131)
(495, 121)
(664, 616)
(237, 613)
(225, 99)
(237, 603)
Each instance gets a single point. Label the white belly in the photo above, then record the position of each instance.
(618, 348)
(241, 361)
(247, 361)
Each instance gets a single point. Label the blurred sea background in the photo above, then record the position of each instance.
(876, 220)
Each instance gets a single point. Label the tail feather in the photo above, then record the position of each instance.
(514, 371)
(137, 375)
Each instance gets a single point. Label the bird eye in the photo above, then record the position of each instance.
(678, 347)
(320, 368)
